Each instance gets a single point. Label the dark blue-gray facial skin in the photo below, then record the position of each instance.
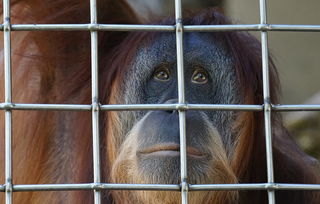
(210, 78)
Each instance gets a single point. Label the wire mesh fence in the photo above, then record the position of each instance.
(93, 27)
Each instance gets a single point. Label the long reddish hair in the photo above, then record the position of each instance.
(54, 67)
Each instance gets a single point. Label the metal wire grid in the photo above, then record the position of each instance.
(8, 106)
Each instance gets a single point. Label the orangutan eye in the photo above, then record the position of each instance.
(199, 76)
(162, 74)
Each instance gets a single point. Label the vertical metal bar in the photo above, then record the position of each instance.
(181, 95)
(95, 102)
(8, 99)
(266, 96)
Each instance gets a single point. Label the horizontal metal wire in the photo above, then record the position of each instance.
(95, 186)
(306, 107)
(91, 27)
(129, 107)
(162, 187)
(163, 28)
(231, 107)
(52, 107)
(254, 186)
(253, 27)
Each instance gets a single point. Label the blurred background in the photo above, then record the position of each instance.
(296, 54)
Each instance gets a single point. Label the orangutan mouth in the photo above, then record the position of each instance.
(171, 150)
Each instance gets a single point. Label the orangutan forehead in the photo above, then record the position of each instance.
(200, 49)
